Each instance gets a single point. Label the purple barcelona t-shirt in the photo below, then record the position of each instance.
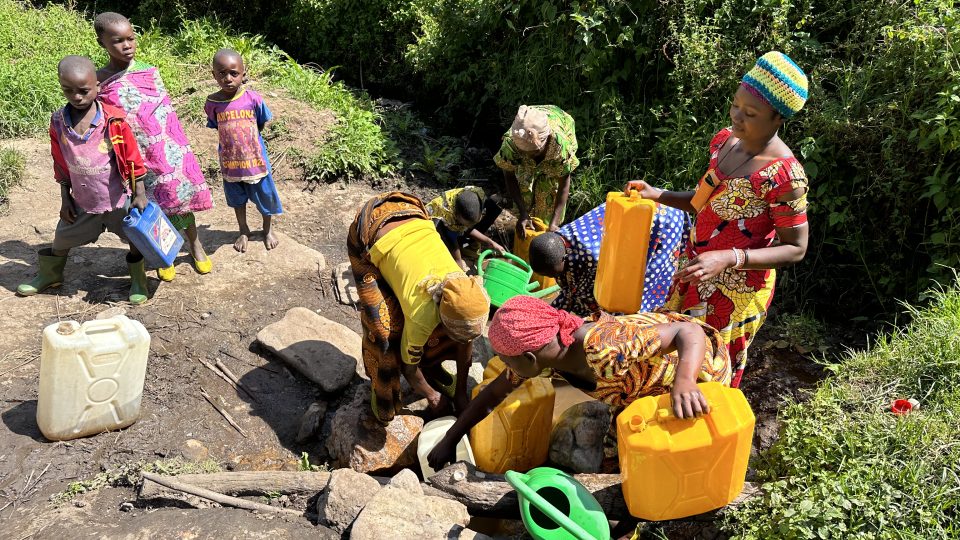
(243, 154)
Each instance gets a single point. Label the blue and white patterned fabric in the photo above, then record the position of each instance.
(583, 236)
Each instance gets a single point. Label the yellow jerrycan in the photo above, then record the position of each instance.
(521, 248)
(91, 376)
(516, 435)
(675, 468)
(623, 252)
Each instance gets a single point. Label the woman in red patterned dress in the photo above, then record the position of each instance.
(750, 210)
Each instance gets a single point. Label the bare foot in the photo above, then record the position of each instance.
(241, 244)
(196, 250)
(270, 240)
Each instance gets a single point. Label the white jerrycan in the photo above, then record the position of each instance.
(91, 376)
(431, 434)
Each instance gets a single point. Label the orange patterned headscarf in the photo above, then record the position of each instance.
(525, 324)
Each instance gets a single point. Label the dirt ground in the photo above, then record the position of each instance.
(211, 317)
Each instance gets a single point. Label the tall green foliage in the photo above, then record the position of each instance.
(650, 82)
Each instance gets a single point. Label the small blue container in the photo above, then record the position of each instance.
(152, 233)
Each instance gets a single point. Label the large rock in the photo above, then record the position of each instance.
(325, 352)
(398, 513)
(359, 441)
(577, 439)
(345, 496)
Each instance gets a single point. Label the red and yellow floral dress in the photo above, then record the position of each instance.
(742, 212)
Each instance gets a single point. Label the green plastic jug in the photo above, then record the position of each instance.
(504, 280)
(554, 506)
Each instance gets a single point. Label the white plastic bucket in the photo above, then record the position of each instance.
(433, 431)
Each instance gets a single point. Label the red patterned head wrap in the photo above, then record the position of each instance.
(525, 323)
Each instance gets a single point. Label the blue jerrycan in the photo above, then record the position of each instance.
(152, 233)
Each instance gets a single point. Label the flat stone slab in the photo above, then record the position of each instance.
(325, 352)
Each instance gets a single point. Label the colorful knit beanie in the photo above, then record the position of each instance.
(776, 79)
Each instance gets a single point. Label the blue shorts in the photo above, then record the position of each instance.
(263, 194)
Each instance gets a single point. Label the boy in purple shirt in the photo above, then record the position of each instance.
(95, 158)
(239, 114)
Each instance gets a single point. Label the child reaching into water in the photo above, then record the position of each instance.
(95, 158)
(464, 213)
(174, 180)
(239, 114)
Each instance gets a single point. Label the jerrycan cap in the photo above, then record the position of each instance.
(67, 327)
(637, 423)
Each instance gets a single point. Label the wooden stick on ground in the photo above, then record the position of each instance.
(236, 380)
(490, 495)
(225, 500)
(246, 483)
(11, 370)
(223, 412)
(219, 373)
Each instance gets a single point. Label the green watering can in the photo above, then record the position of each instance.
(504, 280)
(554, 506)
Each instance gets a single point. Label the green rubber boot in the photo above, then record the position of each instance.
(138, 277)
(50, 274)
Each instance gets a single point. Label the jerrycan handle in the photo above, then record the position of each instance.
(103, 325)
(666, 413)
(519, 483)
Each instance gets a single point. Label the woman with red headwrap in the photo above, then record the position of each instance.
(615, 360)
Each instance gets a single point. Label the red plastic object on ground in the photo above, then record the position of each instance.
(901, 407)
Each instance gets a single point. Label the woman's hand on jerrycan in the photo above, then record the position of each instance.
(687, 399)
(524, 223)
(646, 190)
(444, 452)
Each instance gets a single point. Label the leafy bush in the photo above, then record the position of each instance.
(845, 467)
(32, 41)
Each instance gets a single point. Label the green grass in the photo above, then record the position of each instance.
(12, 165)
(845, 467)
(32, 41)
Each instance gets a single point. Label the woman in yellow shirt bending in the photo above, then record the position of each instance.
(418, 308)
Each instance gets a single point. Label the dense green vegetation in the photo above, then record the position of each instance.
(32, 41)
(846, 467)
(649, 83)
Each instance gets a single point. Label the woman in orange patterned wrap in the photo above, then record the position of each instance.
(615, 360)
